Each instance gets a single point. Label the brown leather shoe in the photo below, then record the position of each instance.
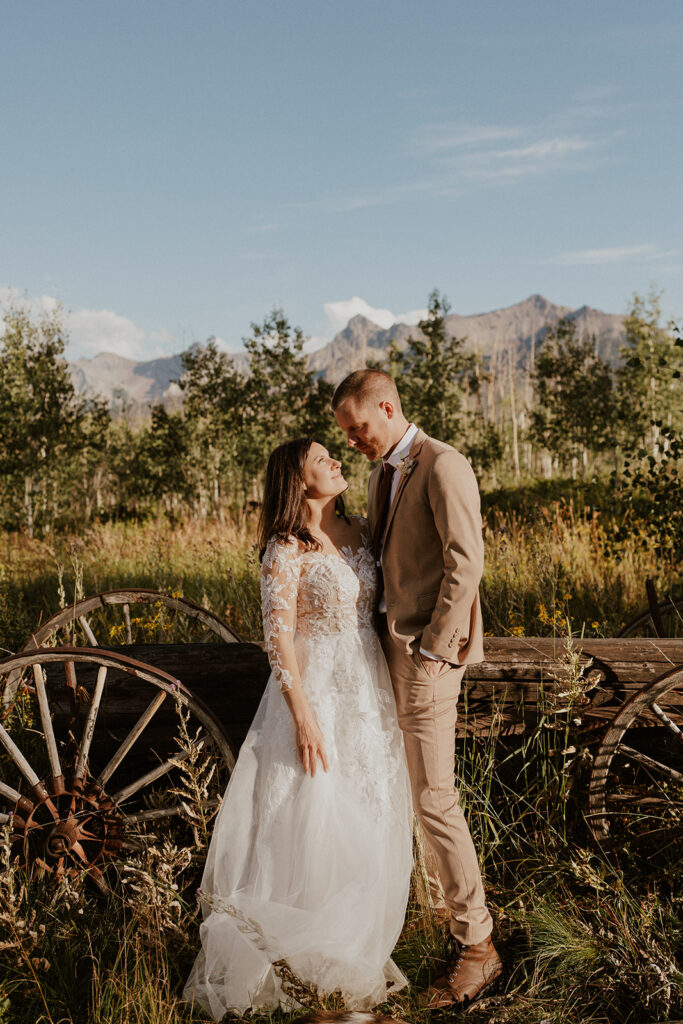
(468, 973)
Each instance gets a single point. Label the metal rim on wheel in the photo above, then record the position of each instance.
(76, 615)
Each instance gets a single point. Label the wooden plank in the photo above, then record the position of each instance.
(230, 679)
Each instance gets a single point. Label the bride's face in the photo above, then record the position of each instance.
(322, 474)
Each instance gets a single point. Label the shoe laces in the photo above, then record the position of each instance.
(454, 961)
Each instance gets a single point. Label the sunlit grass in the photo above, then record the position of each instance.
(540, 572)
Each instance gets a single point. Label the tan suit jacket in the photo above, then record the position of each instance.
(433, 554)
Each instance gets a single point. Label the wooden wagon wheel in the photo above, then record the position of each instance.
(636, 786)
(96, 744)
(662, 618)
(105, 620)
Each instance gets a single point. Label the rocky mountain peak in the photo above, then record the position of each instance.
(512, 333)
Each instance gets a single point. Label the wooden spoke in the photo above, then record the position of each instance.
(163, 812)
(9, 794)
(126, 619)
(82, 764)
(156, 815)
(88, 631)
(139, 727)
(97, 877)
(151, 776)
(18, 758)
(48, 731)
(665, 720)
(649, 762)
(70, 673)
(640, 801)
(4, 818)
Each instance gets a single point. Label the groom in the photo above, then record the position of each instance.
(423, 507)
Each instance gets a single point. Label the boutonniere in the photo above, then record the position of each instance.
(406, 466)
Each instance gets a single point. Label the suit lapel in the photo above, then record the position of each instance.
(414, 452)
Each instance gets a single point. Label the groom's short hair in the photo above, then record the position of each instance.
(366, 385)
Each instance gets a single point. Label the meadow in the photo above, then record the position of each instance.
(586, 936)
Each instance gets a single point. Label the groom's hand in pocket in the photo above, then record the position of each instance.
(432, 667)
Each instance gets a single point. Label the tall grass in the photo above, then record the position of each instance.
(585, 937)
(539, 572)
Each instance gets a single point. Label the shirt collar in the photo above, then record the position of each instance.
(402, 448)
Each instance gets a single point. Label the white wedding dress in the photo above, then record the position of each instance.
(310, 875)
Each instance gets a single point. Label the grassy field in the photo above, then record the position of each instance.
(586, 937)
(542, 571)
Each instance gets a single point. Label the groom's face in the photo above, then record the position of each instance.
(367, 425)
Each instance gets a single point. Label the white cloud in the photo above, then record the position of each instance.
(230, 347)
(537, 157)
(92, 331)
(339, 313)
(439, 138)
(101, 330)
(615, 254)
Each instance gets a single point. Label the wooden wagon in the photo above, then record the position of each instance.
(101, 739)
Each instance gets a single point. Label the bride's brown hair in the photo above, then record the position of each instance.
(283, 512)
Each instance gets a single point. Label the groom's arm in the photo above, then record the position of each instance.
(453, 497)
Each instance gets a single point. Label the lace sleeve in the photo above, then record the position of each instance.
(279, 588)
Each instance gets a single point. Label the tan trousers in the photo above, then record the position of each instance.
(427, 713)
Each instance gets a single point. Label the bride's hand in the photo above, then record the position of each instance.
(310, 746)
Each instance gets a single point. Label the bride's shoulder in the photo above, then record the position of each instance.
(360, 527)
(281, 549)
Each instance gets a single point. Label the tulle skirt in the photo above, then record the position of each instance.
(307, 878)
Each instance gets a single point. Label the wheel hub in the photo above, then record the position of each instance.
(71, 832)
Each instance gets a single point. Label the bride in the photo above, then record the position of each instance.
(307, 875)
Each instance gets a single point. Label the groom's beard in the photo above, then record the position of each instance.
(373, 450)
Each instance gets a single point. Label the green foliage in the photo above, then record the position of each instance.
(285, 398)
(215, 417)
(41, 419)
(64, 461)
(235, 419)
(649, 388)
(574, 413)
(162, 458)
(647, 497)
(482, 444)
(430, 374)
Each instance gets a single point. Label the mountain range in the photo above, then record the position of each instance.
(511, 334)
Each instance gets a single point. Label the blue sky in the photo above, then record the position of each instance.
(174, 170)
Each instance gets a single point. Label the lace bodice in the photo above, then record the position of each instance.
(314, 594)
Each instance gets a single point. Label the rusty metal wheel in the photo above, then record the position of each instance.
(133, 615)
(95, 745)
(636, 787)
